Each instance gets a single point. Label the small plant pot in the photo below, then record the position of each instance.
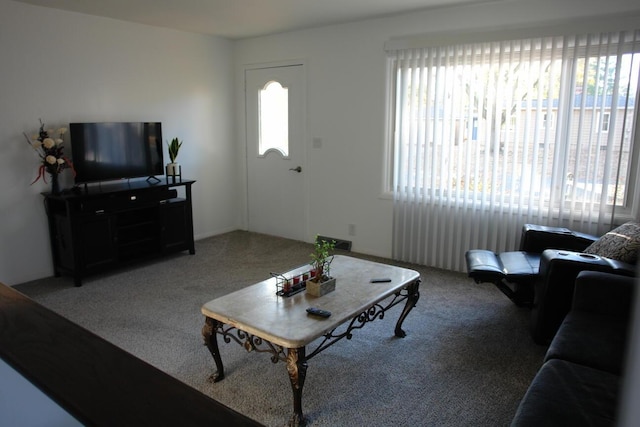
(321, 288)
(173, 169)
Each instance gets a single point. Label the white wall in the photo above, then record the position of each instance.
(346, 78)
(66, 67)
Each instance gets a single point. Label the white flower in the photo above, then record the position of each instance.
(48, 143)
(62, 131)
(59, 141)
(36, 144)
(51, 160)
(60, 161)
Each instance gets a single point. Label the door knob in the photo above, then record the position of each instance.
(298, 169)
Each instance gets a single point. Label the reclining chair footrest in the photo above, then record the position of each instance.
(519, 268)
(484, 266)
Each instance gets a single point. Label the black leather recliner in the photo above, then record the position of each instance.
(542, 273)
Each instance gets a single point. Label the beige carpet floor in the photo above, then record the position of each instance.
(466, 361)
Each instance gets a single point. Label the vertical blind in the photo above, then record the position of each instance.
(489, 136)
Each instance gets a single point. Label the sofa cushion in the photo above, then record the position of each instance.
(621, 243)
(590, 339)
(565, 394)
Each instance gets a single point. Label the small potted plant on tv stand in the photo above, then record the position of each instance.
(173, 168)
(321, 281)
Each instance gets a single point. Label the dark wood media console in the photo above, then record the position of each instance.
(104, 226)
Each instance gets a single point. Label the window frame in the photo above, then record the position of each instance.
(629, 207)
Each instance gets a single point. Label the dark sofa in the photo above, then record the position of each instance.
(579, 381)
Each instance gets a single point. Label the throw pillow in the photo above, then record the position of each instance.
(621, 243)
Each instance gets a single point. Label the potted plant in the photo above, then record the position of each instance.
(321, 281)
(173, 168)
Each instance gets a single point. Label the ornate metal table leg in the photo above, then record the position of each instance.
(412, 299)
(297, 367)
(211, 341)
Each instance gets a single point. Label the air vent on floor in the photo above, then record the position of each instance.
(344, 245)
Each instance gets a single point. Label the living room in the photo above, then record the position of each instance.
(65, 67)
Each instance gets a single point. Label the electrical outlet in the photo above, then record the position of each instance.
(352, 229)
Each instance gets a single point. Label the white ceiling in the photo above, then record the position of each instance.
(237, 19)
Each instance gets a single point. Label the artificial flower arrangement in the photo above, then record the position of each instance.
(51, 152)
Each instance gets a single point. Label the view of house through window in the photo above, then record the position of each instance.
(274, 119)
(532, 123)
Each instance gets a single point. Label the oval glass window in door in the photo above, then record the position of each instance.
(274, 119)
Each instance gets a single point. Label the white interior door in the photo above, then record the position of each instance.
(275, 117)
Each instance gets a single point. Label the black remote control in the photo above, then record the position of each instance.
(381, 280)
(318, 312)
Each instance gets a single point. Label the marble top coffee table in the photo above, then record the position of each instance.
(259, 320)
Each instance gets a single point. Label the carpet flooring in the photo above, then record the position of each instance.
(467, 359)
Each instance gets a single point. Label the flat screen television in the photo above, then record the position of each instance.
(113, 151)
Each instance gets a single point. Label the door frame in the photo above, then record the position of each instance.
(241, 112)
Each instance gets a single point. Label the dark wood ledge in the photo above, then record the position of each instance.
(92, 379)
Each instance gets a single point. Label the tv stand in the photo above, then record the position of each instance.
(101, 228)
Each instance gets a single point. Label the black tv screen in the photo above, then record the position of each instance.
(111, 151)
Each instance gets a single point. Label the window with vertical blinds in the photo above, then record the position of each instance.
(493, 135)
